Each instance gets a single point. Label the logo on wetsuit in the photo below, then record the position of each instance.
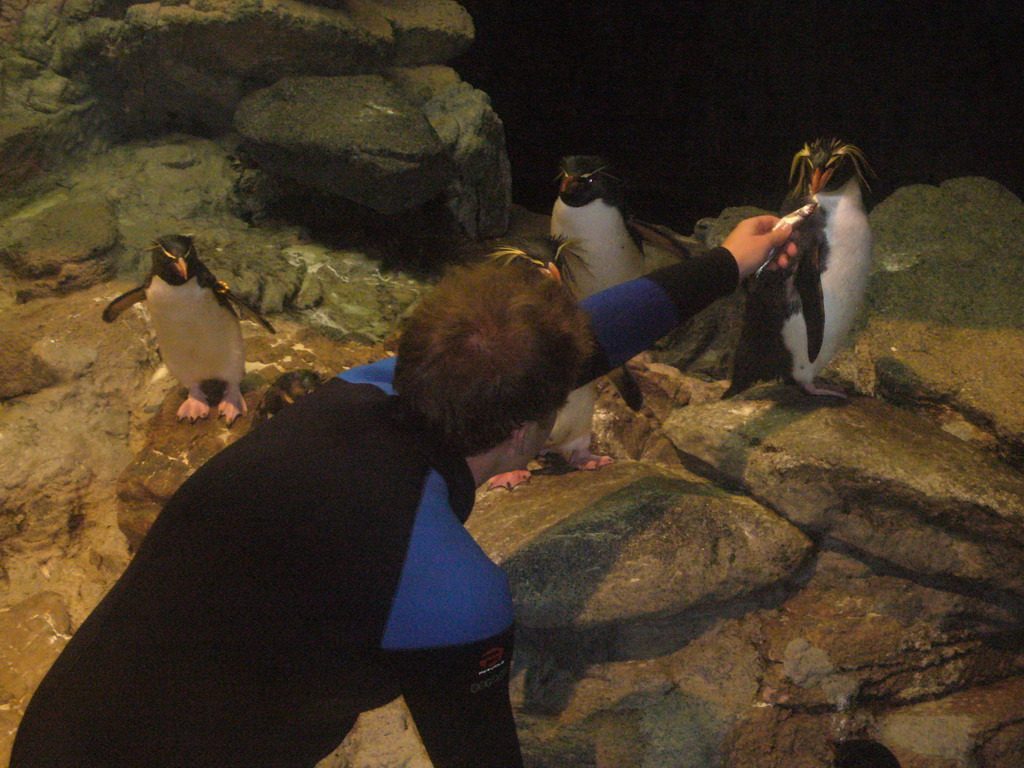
(491, 661)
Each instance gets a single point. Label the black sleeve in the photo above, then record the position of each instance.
(693, 284)
(458, 698)
(628, 318)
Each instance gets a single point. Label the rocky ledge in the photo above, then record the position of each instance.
(751, 583)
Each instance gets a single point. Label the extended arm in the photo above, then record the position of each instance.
(629, 318)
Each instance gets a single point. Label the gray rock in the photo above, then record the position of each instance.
(38, 25)
(944, 327)
(348, 296)
(705, 345)
(631, 543)
(173, 450)
(384, 737)
(22, 370)
(480, 195)
(177, 184)
(426, 33)
(259, 40)
(854, 635)
(666, 711)
(356, 137)
(966, 219)
(887, 482)
(949, 731)
(712, 232)
(149, 68)
(49, 93)
(32, 633)
(62, 245)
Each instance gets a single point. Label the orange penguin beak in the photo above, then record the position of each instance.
(820, 179)
(181, 268)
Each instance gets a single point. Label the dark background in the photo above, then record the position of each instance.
(701, 105)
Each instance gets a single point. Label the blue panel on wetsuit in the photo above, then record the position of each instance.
(450, 592)
(380, 374)
(620, 329)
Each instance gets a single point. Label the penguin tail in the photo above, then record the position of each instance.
(734, 389)
(628, 388)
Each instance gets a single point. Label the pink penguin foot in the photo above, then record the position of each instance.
(586, 460)
(193, 408)
(509, 479)
(824, 390)
(578, 454)
(232, 405)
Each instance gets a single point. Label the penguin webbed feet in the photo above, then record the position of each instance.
(821, 388)
(560, 461)
(195, 406)
(578, 455)
(509, 480)
(813, 388)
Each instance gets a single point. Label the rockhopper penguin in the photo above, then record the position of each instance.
(590, 211)
(600, 249)
(796, 319)
(195, 325)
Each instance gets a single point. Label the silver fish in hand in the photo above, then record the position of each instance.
(795, 219)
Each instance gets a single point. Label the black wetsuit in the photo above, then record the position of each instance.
(316, 568)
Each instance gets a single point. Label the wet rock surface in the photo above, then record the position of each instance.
(752, 583)
(863, 471)
(81, 77)
(355, 136)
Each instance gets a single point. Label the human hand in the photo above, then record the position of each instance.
(752, 241)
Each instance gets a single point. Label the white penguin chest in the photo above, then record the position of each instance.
(843, 283)
(198, 338)
(601, 236)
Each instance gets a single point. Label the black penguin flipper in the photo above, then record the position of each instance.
(228, 299)
(807, 282)
(661, 237)
(248, 308)
(760, 354)
(114, 309)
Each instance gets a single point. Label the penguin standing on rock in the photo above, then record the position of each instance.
(796, 319)
(195, 324)
(599, 249)
(590, 211)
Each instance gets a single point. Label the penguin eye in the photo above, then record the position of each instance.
(167, 254)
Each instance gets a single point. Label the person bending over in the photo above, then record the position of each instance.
(319, 567)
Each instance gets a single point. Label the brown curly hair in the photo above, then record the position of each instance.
(493, 346)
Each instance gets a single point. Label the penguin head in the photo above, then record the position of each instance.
(585, 178)
(174, 259)
(826, 164)
(548, 254)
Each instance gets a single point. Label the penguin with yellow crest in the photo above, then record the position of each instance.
(796, 319)
(196, 326)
